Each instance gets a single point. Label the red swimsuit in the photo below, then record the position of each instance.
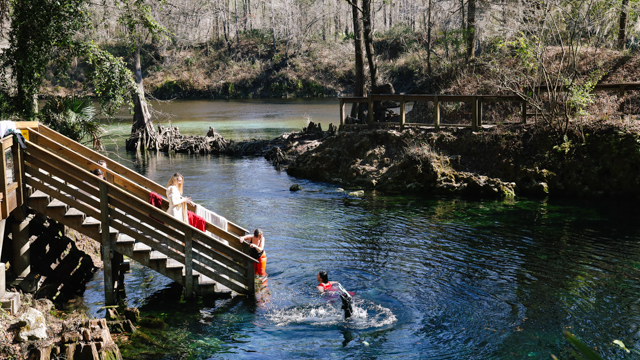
(326, 286)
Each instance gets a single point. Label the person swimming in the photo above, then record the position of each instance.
(325, 285)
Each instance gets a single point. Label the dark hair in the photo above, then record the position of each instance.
(97, 172)
(257, 232)
(324, 277)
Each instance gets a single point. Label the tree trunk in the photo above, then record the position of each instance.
(359, 89)
(471, 28)
(429, 38)
(622, 32)
(368, 42)
(143, 135)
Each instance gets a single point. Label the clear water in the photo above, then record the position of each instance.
(433, 278)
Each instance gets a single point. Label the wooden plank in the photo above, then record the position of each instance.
(3, 186)
(152, 243)
(386, 97)
(402, 113)
(86, 203)
(409, 98)
(251, 283)
(36, 164)
(132, 216)
(523, 106)
(342, 114)
(223, 265)
(26, 124)
(354, 100)
(188, 262)
(109, 296)
(60, 163)
(18, 172)
(95, 156)
(370, 110)
(436, 113)
(455, 98)
(225, 249)
(67, 200)
(474, 114)
(215, 276)
(122, 176)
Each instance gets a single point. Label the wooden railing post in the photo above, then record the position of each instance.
(3, 186)
(480, 103)
(622, 92)
(251, 282)
(474, 113)
(342, 115)
(523, 104)
(370, 103)
(436, 112)
(402, 113)
(109, 298)
(18, 172)
(188, 262)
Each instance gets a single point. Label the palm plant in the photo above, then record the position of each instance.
(74, 117)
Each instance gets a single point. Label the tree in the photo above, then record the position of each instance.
(44, 32)
(622, 32)
(140, 25)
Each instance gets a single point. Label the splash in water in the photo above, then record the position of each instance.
(365, 315)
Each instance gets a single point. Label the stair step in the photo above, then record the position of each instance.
(73, 212)
(38, 195)
(125, 239)
(91, 221)
(55, 203)
(174, 264)
(141, 247)
(157, 255)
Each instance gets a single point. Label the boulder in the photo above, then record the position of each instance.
(295, 187)
(35, 327)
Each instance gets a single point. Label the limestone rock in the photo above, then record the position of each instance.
(35, 327)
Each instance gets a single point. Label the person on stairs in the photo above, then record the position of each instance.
(177, 202)
(256, 248)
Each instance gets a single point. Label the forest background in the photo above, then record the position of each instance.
(283, 48)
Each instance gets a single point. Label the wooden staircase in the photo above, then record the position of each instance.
(58, 184)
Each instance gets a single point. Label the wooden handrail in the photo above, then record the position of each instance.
(131, 213)
(121, 175)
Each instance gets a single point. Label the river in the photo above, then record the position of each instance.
(433, 278)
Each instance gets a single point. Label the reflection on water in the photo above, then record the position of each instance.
(434, 278)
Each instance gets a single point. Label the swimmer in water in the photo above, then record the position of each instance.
(326, 285)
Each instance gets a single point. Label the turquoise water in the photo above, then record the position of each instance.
(434, 278)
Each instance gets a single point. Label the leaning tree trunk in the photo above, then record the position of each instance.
(143, 135)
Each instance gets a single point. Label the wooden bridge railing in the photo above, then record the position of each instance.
(117, 208)
(476, 102)
(476, 106)
(122, 176)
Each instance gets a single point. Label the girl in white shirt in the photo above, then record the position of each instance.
(177, 203)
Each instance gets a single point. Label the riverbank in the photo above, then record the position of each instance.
(590, 160)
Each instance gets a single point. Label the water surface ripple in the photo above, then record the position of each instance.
(434, 278)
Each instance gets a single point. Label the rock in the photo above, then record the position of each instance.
(357, 193)
(35, 327)
(132, 314)
(112, 314)
(295, 187)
